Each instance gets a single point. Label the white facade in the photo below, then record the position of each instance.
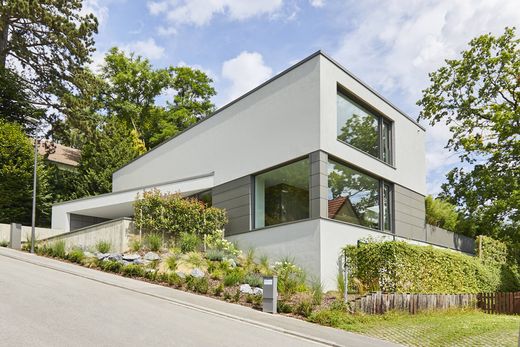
(288, 117)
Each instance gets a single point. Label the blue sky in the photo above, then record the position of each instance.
(391, 45)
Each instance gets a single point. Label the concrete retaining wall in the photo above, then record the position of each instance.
(41, 233)
(116, 231)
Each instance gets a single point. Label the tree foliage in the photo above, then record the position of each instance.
(478, 98)
(16, 178)
(49, 40)
(441, 213)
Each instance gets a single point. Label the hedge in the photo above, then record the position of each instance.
(396, 266)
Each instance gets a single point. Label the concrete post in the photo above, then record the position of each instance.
(15, 239)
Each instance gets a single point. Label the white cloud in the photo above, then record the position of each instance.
(245, 71)
(146, 48)
(98, 10)
(317, 3)
(395, 44)
(200, 12)
(166, 31)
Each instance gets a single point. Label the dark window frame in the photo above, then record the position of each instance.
(351, 97)
(253, 193)
(382, 183)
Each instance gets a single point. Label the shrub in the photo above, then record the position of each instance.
(218, 290)
(291, 278)
(198, 285)
(175, 280)
(233, 277)
(76, 255)
(195, 259)
(103, 246)
(216, 241)
(111, 266)
(283, 306)
(188, 242)
(154, 242)
(171, 262)
(150, 274)
(316, 289)
(254, 280)
(58, 249)
(331, 318)
(136, 245)
(155, 212)
(215, 254)
(4, 243)
(396, 266)
(132, 270)
(304, 306)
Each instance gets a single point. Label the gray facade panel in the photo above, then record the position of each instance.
(318, 184)
(445, 238)
(235, 197)
(409, 213)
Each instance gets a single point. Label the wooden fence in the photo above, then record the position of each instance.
(378, 303)
(508, 303)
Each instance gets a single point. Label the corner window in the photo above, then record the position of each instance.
(364, 130)
(358, 198)
(282, 194)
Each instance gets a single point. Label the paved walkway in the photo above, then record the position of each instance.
(48, 302)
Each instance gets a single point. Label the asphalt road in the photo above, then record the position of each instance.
(45, 307)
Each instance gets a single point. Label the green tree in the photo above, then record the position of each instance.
(50, 40)
(441, 213)
(16, 178)
(110, 148)
(478, 98)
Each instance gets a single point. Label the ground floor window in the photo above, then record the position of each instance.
(281, 195)
(358, 198)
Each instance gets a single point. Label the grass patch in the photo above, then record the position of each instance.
(103, 246)
(436, 328)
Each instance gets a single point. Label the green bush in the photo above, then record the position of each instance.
(198, 285)
(4, 243)
(111, 266)
(188, 242)
(254, 280)
(154, 242)
(103, 246)
(175, 280)
(57, 249)
(283, 306)
(233, 277)
(396, 266)
(215, 254)
(304, 306)
(76, 255)
(218, 290)
(156, 212)
(171, 262)
(132, 270)
(291, 278)
(136, 245)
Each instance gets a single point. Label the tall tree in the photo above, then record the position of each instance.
(478, 98)
(16, 178)
(44, 42)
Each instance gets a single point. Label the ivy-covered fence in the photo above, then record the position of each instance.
(399, 267)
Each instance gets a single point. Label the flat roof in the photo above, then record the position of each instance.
(320, 52)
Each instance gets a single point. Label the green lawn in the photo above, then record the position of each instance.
(448, 328)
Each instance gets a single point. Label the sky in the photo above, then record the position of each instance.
(391, 45)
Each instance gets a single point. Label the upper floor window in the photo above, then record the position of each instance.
(363, 129)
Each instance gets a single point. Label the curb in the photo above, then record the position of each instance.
(182, 303)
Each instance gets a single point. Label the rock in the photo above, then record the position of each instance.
(138, 261)
(124, 262)
(232, 263)
(88, 254)
(102, 256)
(115, 256)
(131, 257)
(197, 273)
(151, 256)
(181, 274)
(246, 289)
(258, 291)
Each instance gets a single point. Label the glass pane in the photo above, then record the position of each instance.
(386, 140)
(387, 207)
(282, 194)
(357, 127)
(353, 196)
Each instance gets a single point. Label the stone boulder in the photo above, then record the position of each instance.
(131, 257)
(258, 291)
(151, 256)
(246, 289)
(197, 273)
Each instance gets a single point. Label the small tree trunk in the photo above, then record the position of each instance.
(4, 37)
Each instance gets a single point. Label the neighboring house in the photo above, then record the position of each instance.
(307, 162)
(65, 158)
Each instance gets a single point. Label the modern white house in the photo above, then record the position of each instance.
(309, 161)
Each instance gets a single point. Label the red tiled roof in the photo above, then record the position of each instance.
(60, 154)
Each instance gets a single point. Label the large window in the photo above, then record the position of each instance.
(358, 198)
(282, 194)
(364, 130)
